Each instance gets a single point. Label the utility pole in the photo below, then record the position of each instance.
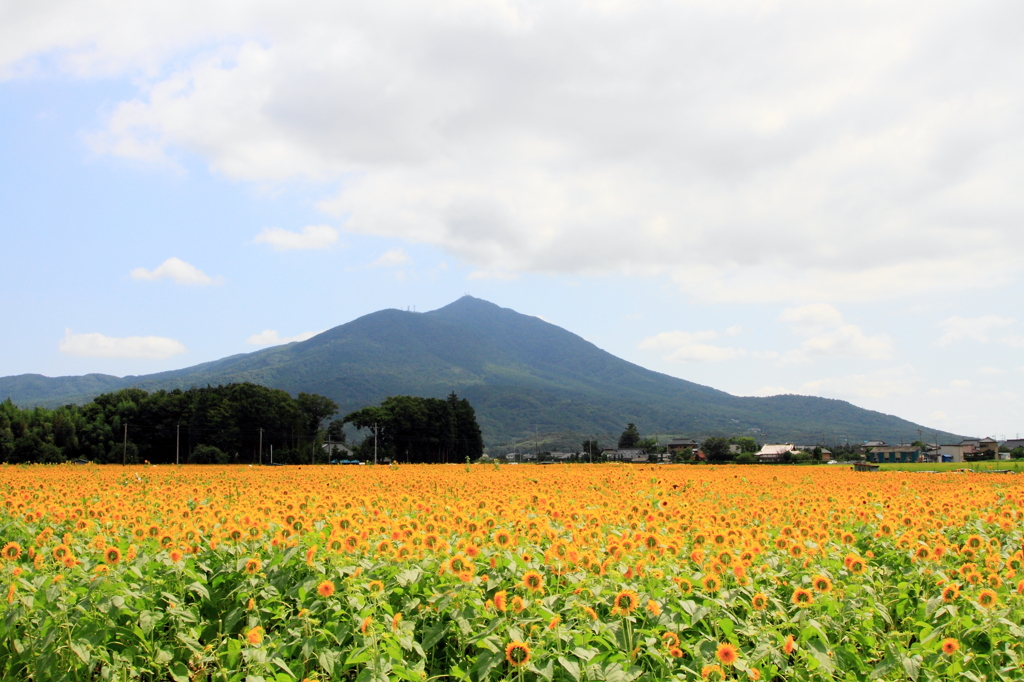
(124, 453)
(177, 445)
(261, 445)
(375, 443)
(271, 453)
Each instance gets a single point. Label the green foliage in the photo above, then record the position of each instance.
(336, 431)
(746, 443)
(630, 438)
(162, 424)
(746, 458)
(208, 454)
(1017, 452)
(716, 449)
(423, 430)
(522, 375)
(682, 456)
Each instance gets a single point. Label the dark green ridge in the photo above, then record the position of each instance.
(521, 374)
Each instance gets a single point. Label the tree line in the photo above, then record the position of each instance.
(214, 424)
(419, 430)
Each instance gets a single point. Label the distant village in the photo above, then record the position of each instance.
(687, 450)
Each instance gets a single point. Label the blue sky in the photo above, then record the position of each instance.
(766, 198)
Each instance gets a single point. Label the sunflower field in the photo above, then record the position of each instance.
(487, 572)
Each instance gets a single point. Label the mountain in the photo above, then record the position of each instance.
(524, 376)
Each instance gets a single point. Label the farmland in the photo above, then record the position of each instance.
(487, 572)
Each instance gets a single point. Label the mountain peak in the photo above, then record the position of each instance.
(523, 375)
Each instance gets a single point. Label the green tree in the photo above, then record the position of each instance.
(412, 429)
(629, 438)
(816, 454)
(313, 409)
(682, 456)
(208, 454)
(591, 449)
(746, 443)
(336, 431)
(716, 450)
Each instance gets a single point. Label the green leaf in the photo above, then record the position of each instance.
(409, 576)
(81, 650)
(459, 673)
(882, 668)
(433, 635)
(234, 653)
(199, 589)
(570, 667)
(179, 672)
(912, 666)
(698, 615)
(147, 622)
(283, 666)
(727, 626)
(328, 659)
(485, 662)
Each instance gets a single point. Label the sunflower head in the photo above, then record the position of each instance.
(726, 653)
(625, 602)
(517, 654)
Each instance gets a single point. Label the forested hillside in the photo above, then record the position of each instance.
(204, 425)
(523, 375)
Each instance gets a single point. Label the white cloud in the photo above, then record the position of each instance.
(853, 151)
(973, 328)
(270, 337)
(311, 237)
(492, 274)
(177, 270)
(990, 370)
(690, 347)
(883, 383)
(391, 259)
(100, 346)
(827, 334)
(1012, 340)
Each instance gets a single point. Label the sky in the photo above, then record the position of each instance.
(764, 197)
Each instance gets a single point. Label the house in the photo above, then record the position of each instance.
(632, 455)
(774, 453)
(951, 453)
(980, 448)
(933, 454)
(1013, 443)
(896, 453)
(680, 444)
(825, 453)
(337, 451)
